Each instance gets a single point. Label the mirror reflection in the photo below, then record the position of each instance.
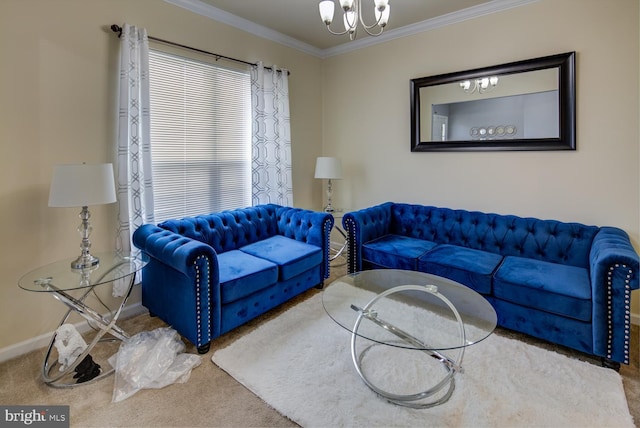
(524, 105)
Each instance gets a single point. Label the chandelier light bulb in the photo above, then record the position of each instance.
(326, 11)
(381, 4)
(350, 21)
(346, 5)
(382, 17)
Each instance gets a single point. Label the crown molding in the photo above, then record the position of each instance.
(219, 15)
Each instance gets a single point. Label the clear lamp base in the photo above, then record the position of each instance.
(85, 262)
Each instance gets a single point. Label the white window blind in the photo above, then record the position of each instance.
(200, 136)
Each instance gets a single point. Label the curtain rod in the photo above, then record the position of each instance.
(117, 29)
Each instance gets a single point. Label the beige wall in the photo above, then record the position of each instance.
(366, 118)
(57, 105)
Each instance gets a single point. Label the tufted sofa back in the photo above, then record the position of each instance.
(229, 230)
(508, 235)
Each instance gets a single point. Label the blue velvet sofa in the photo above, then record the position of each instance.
(212, 273)
(566, 283)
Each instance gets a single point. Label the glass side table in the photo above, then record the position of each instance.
(342, 250)
(71, 287)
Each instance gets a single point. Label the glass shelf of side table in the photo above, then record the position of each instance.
(72, 287)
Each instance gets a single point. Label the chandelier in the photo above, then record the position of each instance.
(480, 86)
(353, 14)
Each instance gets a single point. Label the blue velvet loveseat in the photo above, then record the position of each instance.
(566, 283)
(212, 273)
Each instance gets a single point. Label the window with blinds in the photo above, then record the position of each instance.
(200, 136)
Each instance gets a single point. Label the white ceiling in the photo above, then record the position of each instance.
(297, 23)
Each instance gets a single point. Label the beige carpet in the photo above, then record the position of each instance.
(210, 398)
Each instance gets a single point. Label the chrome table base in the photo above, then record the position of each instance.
(57, 378)
(432, 396)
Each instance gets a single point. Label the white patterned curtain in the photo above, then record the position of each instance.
(133, 164)
(271, 137)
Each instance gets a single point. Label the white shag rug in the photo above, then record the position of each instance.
(300, 364)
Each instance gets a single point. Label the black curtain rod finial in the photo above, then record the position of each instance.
(117, 29)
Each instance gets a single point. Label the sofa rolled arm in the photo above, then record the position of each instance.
(196, 273)
(363, 226)
(614, 266)
(311, 227)
(172, 249)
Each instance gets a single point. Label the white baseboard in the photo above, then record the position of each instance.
(43, 340)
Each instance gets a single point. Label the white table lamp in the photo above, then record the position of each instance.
(80, 186)
(329, 169)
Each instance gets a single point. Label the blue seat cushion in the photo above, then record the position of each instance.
(396, 251)
(242, 274)
(292, 257)
(473, 268)
(550, 287)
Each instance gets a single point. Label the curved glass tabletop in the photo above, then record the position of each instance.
(420, 318)
(112, 266)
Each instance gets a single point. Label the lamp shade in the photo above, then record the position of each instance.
(330, 168)
(326, 11)
(82, 185)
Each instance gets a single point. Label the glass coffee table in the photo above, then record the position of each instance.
(410, 312)
(72, 287)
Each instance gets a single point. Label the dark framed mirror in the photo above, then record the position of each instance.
(524, 105)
